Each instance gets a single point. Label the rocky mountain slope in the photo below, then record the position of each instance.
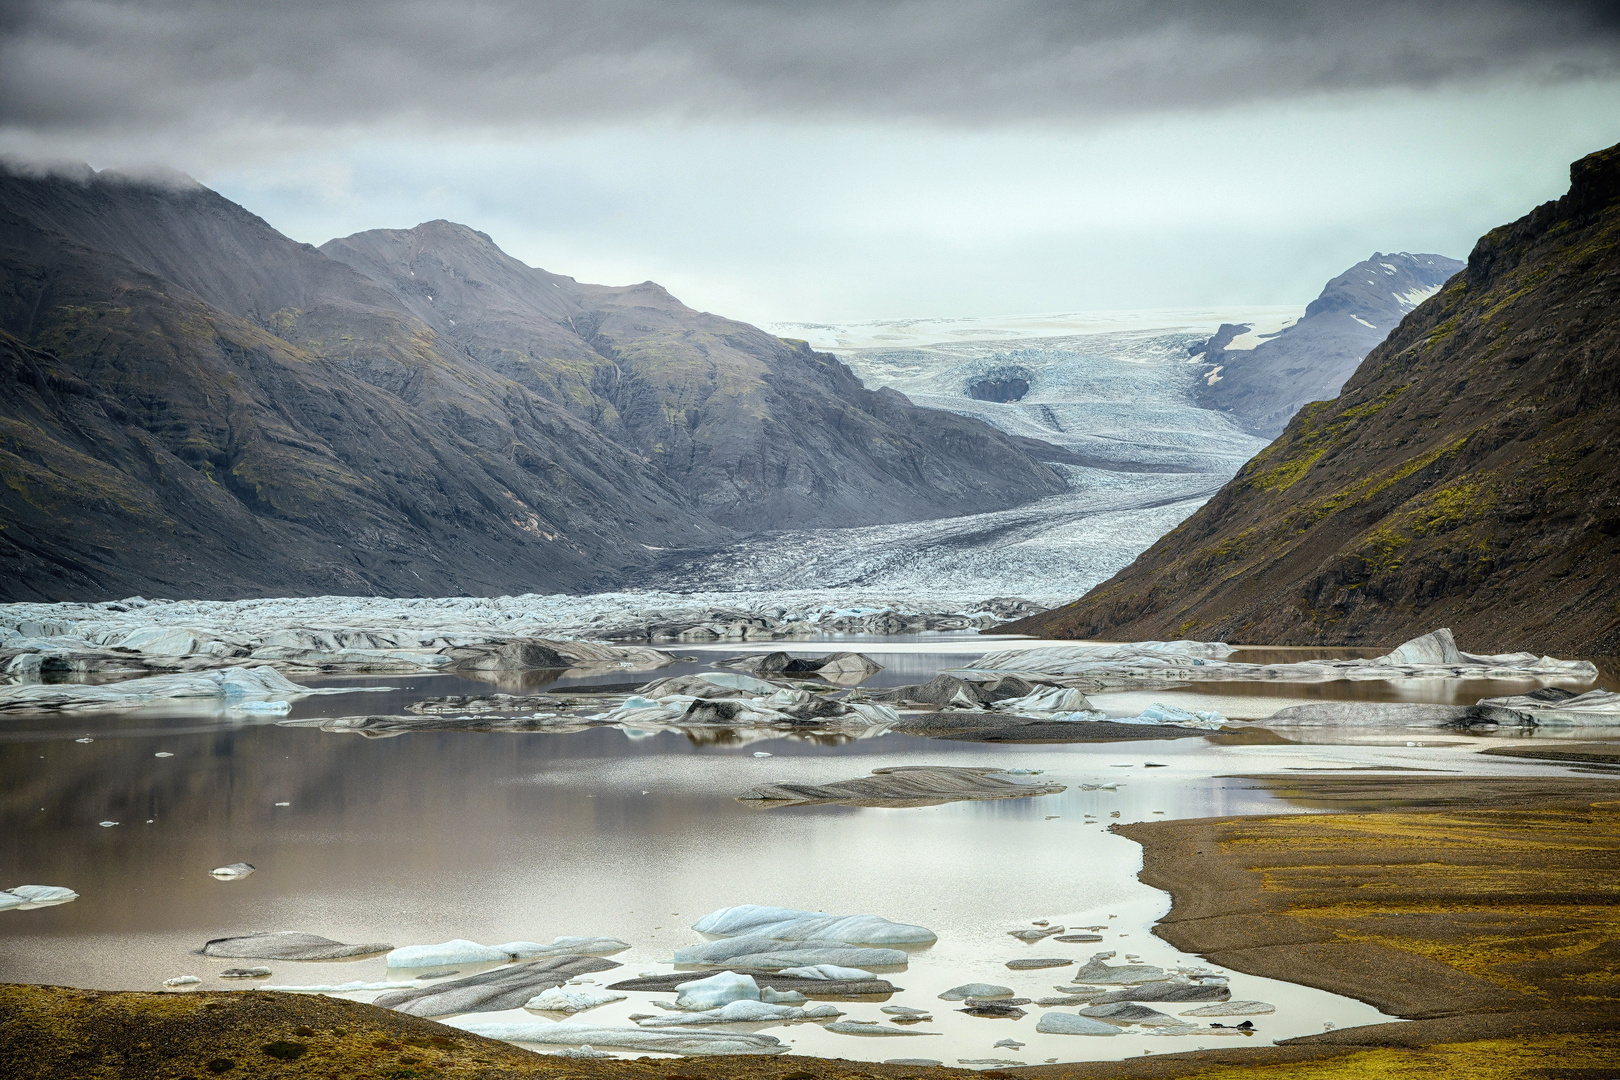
(1467, 476)
(197, 405)
(1262, 381)
(756, 431)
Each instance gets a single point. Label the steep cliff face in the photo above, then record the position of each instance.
(261, 418)
(1263, 386)
(1467, 476)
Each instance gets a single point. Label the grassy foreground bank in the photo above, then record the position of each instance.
(1487, 910)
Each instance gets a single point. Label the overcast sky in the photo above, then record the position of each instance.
(838, 161)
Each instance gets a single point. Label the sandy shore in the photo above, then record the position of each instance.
(1486, 911)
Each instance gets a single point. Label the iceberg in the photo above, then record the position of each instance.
(493, 991)
(557, 999)
(234, 686)
(791, 924)
(287, 945)
(745, 1011)
(462, 951)
(25, 897)
(773, 954)
(827, 971)
(716, 991)
(1061, 1023)
(622, 1038)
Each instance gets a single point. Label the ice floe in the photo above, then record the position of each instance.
(975, 990)
(232, 871)
(827, 972)
(231, 686)
(1169, 990)
(356, 986)
(869, 1027)
(287, 945)
(558, 999)
(26, 897)
(905, 785)
(1233, 1008)
(745, 1011)
(774, 954)
(1062, 1023)
(622, 1038)
(502, 988)
(1432, 656)
(1096, 970)
(1551, 707)
(716, 990)
(462, 951)
(791, 924)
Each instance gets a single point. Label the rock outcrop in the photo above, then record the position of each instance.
(1468, 475)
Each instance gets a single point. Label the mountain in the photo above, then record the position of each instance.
(198, 405)
(757, 432)
(1467, 476)
(1263, 380)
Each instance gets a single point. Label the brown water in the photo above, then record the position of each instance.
(494, 837)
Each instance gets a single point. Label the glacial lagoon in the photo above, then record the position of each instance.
(493, 837)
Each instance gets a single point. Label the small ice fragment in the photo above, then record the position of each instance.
(108, 824)
(289, 804)
(976, 990)
(762, 753)
(1007, 1044)
(163, 753)
(244, 973)
(84, 740)
(234, 870)
(182, 980)
(904, 1010)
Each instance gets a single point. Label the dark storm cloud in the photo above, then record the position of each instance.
(100, 65)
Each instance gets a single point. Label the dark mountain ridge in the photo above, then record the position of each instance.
(1467, 476)
(1310, 360)
(197, 405)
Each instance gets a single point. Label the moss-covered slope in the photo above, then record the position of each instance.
(1468, 475)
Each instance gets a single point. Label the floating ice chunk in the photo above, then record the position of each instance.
(261, 707)
(736, 680)
(781, 997)
(1096, 971)
(904, 1010)
(107, 824)
(1046, 699)
(716, 991)
(163, 753)
(462, 951)
(745, 1011)
(455, 951)
(975, 990)
(182, 980)
(492, 991)
(1550, 708)
(1007, 1044)
(287, 945)
(774, 955)
(1127, 1012)
(335, 988)
(1233, 1008)
(869, 1027)
(24, 897)
(1033, 963)
(244, 973)
(234, 870)
(791, 924)
(1169, 714)
(557, 999)
(623, 1038)
(1170, 990)
(762, 753)
(827, 971)
(234, 685)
